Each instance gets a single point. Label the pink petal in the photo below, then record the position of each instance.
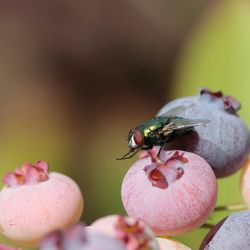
(231, 103)
(42, 165)
(217, 94)
(27, 174)
(23, 170)
(155, 176)
(12, 179)
(32, 176)
(175, 155)
(152, 153)
(133, 233)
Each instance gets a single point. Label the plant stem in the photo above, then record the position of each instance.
(232, 207)
(207, 226)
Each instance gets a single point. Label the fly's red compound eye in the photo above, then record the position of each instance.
(138, 138)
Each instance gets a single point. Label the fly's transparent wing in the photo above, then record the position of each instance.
(181, 123)
(176, 111)
(188, 123)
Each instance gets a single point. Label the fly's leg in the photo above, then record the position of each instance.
(159, 152)
(165, 131)
(128, 155)
(158, 155)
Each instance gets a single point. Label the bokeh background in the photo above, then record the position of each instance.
(75, 76)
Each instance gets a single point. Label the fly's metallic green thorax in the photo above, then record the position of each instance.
(159, 131)
(150, 131)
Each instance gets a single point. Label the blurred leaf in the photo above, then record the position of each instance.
(217, 54)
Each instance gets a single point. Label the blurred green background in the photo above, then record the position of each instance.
(75, 76)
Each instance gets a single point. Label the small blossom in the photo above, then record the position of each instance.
(27, 174)
(134, 233)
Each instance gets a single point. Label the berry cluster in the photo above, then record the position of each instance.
(165, 194)
(178, 193)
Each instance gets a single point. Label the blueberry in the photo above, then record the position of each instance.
(224, 142)
(232, 233)
(30, 191)
(174, 196)
(76, 238)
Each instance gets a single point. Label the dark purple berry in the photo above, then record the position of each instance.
(232, 233)
(224, 142)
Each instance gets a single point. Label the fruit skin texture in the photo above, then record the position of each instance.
(224, 142)
(76, 238)
(134, 238)
(96, 242)
(28, 212)
(100, 241)
(231, 233)
(169, 244)
(182, 206)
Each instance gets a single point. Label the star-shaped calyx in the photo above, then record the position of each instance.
(167, 169)
(27, 174)
(231, 104)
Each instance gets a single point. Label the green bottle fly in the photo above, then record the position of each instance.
(159, 131)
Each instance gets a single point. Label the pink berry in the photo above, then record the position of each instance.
(169, 244)
(245, 183)
(135, 234)
(75, 238)
(34, 203)
(174, 196)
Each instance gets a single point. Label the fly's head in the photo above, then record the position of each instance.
(135, 142)
(135, 139)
